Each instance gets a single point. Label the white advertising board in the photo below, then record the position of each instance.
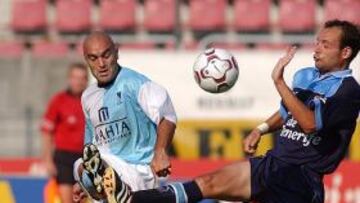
(253, 96)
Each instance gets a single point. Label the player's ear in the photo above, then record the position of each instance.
(346, 52)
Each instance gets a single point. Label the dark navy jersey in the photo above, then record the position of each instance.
(335, 99)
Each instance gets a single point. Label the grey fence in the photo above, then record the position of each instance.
(26, 84)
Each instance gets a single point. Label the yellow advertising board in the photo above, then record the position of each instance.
(215, 139)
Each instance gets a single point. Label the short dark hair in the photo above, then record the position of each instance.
(350, 35)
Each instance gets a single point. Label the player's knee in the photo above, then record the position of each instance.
(208, 185)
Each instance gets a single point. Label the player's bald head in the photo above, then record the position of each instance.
(101, 55)
(97, 41)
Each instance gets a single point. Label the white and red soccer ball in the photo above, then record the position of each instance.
(216, 70)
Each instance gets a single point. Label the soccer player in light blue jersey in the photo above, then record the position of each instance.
(130, 121)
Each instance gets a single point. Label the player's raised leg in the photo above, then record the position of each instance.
(231, 183)
(98, 179)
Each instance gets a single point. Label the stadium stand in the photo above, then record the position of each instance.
(117, 15)
(229, 45)
(159, 15)
(28, 15)
(272, 46)
(73, 16)
(252, 15)
(297, 16)
(137, 45)
(170, 45)
(190, 45)
(207, 15)
(11, 49)
(50, 49)
(342, 9)
(135, 21)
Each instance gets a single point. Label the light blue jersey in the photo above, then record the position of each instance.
(122, 117)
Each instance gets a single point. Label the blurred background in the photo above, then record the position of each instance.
(160, 38)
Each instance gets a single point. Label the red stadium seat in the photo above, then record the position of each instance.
(11, 49)
(207, 15)
(28, 15)
(229, 45)
(117, 15)
(272, 46)
(191, 45)
(73, 16)
(297, 15)
(159, 15)
(170, 45)
(343, 10)
(50, 49)
(138, 46)
(252, 15)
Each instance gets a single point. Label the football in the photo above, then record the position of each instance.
(216, 70)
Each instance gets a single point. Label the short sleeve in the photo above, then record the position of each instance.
(300, 81)
(51, 116)
(156, 103)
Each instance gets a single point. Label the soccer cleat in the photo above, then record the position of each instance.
(115, 189)
(94, 165)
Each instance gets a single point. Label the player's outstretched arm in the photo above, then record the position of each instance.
(273, 123)
(304, 116)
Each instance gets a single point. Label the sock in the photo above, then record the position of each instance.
(174, 193)
(164, 194)
(193, 192)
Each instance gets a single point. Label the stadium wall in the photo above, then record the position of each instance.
(253, 96)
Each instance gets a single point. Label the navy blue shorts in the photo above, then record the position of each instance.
(274, 181)
(64, 162)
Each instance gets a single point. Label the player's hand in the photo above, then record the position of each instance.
(50, 168)
(278, 71)
(160, 164)
(78, 193)
(251, 141)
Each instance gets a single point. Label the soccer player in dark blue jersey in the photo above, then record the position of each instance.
(317, 118)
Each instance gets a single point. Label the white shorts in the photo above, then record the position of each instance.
(138, 177)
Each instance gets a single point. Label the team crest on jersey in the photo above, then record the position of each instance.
(103, 114)
(119, 96)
